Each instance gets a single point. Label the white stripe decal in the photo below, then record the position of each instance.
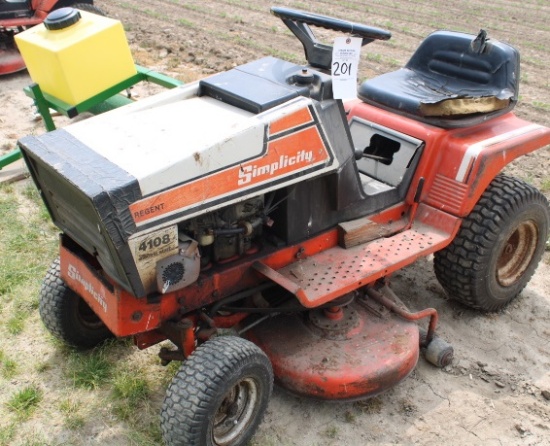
(475, 149)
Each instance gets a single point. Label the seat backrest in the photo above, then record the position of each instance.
(459, 60)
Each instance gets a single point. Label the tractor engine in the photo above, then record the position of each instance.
(228, 233)
(213, 238)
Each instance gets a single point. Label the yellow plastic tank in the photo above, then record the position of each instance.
(75, 55)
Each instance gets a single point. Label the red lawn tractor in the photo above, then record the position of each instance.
(255, 221)
(18, 15)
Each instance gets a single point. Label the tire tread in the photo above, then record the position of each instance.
(55, 305)
(197, 385)
(460, 266)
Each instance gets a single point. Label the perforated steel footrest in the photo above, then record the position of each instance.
(332, 273)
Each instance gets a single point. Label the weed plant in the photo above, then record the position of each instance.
(25, 401)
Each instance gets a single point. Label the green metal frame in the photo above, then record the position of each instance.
(104, 101)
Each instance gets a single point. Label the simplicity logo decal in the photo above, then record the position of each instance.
(247, 173)
(99, 298)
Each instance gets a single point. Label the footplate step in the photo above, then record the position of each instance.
(334, 272)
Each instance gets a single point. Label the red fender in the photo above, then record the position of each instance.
(457, 165)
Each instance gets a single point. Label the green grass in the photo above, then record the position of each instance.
(28, 243)
(374, 57)
(71, 411)
(28, 239)
(193, 7)
(24, 402)
(131, 395)
(42, 367)
(150, 438)
(8, 367)
(545, 185)
(89, 370)
(349, 416)
(169, 372)
(155, 14)
(186, 23)
(37, 439)
(16, 323)
(131, 386)
(371, 406)
(542, 105)
(331, 432)
(6, 434)
(238, 20)
(130, 391)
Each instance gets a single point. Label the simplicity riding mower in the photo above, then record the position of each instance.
(255, 221)
(18, 15)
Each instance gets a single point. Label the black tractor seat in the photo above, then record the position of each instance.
(452, 80)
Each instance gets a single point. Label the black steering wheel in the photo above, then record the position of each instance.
(319, 55)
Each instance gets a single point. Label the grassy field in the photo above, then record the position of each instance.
(44, 385)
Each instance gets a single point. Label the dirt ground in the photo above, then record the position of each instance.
(497, 390)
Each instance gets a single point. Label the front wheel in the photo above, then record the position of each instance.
(219, 395)
(498, 246)
(67, 316)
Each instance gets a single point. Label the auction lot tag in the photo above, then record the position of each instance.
(345, 64)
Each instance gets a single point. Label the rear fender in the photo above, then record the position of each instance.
(472, 158)
(42, 7)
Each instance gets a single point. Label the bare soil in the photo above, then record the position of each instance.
(496, 391)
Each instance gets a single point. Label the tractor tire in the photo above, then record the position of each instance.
(89, 8)
(67, 316)
(218, 396)
(498, 246)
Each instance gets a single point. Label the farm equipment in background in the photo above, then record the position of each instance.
(254, 221)
(71, 70)
(19, 15)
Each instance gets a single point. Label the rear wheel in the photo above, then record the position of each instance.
(498, 247)
(219, 395)
(67, 316)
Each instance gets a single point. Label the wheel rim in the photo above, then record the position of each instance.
(235, 413)
(86, 316)
(517, 253)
